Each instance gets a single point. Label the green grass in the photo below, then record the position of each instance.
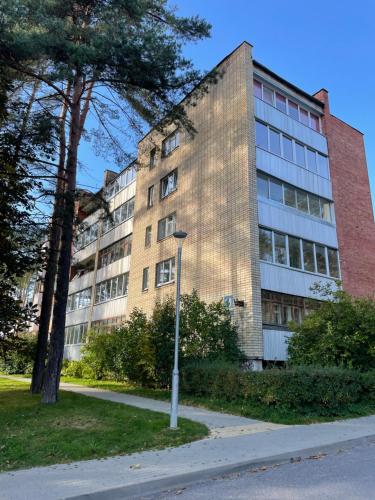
(251, 410)
(78, 428)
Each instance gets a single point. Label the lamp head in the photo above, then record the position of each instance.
(179, 235)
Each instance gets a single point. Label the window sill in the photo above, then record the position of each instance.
(284, 266)
(109, 300)
(168, 195)
(165, 284)
(159, 240)
(166, 155)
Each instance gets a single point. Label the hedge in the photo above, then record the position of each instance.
(304, 389)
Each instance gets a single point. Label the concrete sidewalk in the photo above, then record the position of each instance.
(235, 442)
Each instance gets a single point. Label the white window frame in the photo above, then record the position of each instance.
(161, 267)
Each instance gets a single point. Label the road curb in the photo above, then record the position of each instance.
(182, 480)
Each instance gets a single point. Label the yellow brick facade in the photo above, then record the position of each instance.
(215, 203)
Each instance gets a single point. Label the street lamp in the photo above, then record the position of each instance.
(180, 236)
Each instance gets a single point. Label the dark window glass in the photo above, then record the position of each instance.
(323, 166)
(280, 248)
(168, 184)
(281, 102)
(148, 234)
(150, 197)
(304, 116)
(321, 259)
(326, 210)
(300, 155)
(293, 110)
(290, 196)
(302, 201)
(276, 190)
(261, 135)
(311, 160)
(294, 252)
(145, 279)
(287, 148)
(308, 256)
(314, 122)
(314, 205)
(333, 262)
(262, 185)
(257, 89)
(267, 94)
(153, 158)
(275, 142)
(265, 245)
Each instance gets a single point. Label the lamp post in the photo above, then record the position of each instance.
(180, 236)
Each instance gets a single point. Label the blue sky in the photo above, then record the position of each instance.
(316, 44)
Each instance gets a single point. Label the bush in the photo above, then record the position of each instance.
(304, 389)
(77, 369)
(341, 332)
(17, 354)
(142, 350)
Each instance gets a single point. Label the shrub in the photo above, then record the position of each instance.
(341, 332)
(304, 389)
(98, 354)
(77, 369)
(17, 354)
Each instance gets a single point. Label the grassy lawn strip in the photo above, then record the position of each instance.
(251, 410)
(78, 428)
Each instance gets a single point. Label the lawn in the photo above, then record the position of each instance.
(257, 411)
(78, 428)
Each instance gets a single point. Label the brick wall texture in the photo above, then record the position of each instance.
(353, 206)
(215, 203)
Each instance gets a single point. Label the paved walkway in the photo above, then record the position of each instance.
(234, 441)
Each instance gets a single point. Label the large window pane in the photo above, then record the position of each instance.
(314, 122)
(314, 205)
(281, 102)
(287, 148)
(275, 142)
(333, 262)
(257, 89)
(320, 253)
(304, 116)
(289, 196)
(311, 160)
(293, 109)
(276, 190)
(308, 256)
(261, 135)
(280, 248)
(323, 166)
(300, 155)
(267, 94)
(294, 252)
(302, 201)
(265, 245)
(326, 209)
(262, 185)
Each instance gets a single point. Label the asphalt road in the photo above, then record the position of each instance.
(340, 473)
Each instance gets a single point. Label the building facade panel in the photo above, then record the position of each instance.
(120, 266)
(78, 316)
(110, 309)
(276, 344)
(81, 282)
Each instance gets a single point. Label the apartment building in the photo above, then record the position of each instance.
(273, 192)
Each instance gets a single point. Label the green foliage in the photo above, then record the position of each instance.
(17, 354)
(77, 369)
(341, 332)
(142, 349)
(323, 391)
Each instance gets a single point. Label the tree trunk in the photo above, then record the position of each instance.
(51, 268)
(51, 379)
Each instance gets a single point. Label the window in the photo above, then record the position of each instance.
(145, 279)
(152, 158)
(326, 210)
(333, 263)
(268, 95)
(75, 334)
(257, 89)
(118, 250)
(280, 248)
(261, 135)
(150, 197)
(287, 148)
(289, 196)
(265, 245)
(79, 299)
(108, 324)
(168, 184)
(262, 185)
(275, 142)
(308, 256)
(280, 102)
(85, 236)
(314, 122)
(165, 271)
(311, 160)
(120, 215)
(294, 252)
(323, 166)
(279, 308)
(293, 110)
(148, 236)
(276, 190)
(302, 203)
(112, 288)
(304, 116)
(166, 226)
(171, 143)
(300, 154)
(321, 264)
(121, 181)
(314, 205)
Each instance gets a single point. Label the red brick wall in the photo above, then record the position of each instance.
(353, 206)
